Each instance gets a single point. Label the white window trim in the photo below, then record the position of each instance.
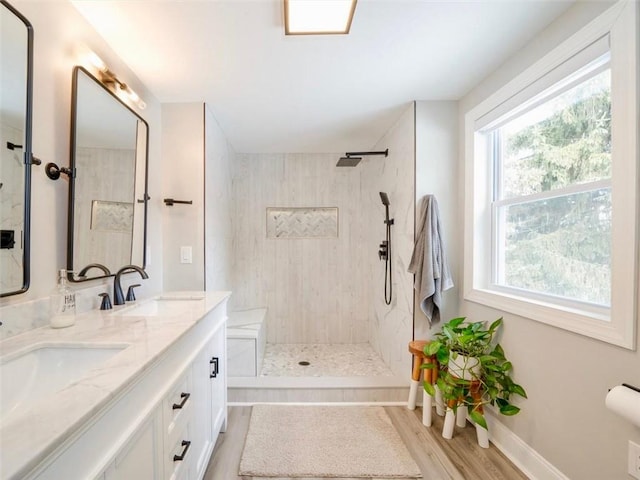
(620, 22)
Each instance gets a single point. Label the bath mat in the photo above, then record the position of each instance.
(324, 442)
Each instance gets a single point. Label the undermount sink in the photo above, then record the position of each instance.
(45, 369)
(169, 305)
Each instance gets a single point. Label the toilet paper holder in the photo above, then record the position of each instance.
(631, 387)
(625, 401)
(637, 389)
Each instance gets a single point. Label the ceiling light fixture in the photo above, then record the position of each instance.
(111, 80)
(318, 17)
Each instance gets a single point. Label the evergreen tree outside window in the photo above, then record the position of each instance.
(552, 191)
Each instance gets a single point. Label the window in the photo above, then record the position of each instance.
(551, 205)
(551, 185)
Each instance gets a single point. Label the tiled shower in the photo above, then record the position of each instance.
(305, 242)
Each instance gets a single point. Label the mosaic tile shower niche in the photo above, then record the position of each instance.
(112, 216)
(316, 222)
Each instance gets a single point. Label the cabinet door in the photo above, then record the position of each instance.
(140, 458)
(209, 380)
(218, 384)
(202, 426)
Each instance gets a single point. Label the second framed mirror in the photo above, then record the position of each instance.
(108, 185)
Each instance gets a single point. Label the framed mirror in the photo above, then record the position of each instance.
(108, 186)
(16, 94)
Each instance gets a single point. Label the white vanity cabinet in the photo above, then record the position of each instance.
(165, 425)
(140, 457)
(193, 428)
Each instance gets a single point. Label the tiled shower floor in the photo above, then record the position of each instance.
(336, 360)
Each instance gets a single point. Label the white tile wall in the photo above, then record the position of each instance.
(391, 325)
(316, 290)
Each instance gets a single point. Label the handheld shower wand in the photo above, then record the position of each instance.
(385, 201)
(385, 251)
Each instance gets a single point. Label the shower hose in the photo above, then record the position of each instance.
(387, 267)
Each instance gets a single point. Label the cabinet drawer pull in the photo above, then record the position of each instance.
(186, 444)
(215, 371)
(184, 397)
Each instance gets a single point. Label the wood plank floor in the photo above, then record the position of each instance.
(458, 459)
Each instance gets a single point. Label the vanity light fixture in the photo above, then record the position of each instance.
(111, 80)
(96, 61)
(318, 17)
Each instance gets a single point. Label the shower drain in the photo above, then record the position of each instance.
(304, 363)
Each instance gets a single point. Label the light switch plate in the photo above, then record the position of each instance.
(186, 255)
(634, 460)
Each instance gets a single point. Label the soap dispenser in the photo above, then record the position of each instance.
(62, 303)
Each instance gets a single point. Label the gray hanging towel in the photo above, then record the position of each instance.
(429, 262)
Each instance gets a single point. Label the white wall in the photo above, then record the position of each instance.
(566, 375)
(183, 168)
(391, 326)
(437, 174)
(196, 161)
(315, 289)
(58, 30)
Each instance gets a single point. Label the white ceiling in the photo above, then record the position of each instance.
(277, 93)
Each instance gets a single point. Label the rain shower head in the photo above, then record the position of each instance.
(351, 159)
(384, 198)
(348, 161)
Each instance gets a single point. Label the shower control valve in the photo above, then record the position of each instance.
(382, 253)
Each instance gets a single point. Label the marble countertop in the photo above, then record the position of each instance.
(29, 435)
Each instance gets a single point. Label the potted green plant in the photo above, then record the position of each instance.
(472, 370)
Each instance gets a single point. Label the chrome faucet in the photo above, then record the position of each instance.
(118, 296)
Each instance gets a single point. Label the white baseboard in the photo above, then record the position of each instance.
(532, 464)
